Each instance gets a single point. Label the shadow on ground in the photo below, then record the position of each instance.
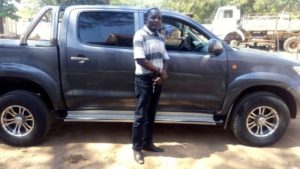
(108, 145)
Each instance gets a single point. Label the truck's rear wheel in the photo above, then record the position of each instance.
(24, 118)
(292, 44)
(260, 119)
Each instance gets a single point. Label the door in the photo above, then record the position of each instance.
(100, 64)
(197, 80)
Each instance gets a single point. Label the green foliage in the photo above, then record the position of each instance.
(276, 6)
(72, 2)
(8, 9)
(29, 8)
(203, 11)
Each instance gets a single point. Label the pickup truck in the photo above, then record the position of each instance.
(81, 68)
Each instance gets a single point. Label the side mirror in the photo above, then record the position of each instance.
(215, 47)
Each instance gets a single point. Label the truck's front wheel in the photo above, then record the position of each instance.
(233, 39)
(24, 118)
(260, 119)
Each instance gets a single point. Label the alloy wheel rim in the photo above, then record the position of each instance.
(17, 121)
(262, 121)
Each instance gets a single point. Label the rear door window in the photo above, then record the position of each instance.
(107, 28)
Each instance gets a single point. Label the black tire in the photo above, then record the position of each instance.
(27, 128)
(246, 125)
(292, 44)
(233, 39)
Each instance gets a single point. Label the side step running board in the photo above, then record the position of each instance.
(128, 116)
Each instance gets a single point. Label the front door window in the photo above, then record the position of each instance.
(182, 37)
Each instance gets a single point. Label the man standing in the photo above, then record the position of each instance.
(150, 71)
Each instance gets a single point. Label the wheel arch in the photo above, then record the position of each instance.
(280, 92)
(24, 77)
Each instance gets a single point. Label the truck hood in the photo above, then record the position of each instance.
(262, 57)
(263, 65)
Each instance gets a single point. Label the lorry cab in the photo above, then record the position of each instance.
(226, 20)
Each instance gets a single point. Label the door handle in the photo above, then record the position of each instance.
(80, 58)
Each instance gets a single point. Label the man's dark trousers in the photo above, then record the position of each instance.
(147, 102)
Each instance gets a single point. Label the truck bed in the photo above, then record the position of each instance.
(269, 22)
(4, 42)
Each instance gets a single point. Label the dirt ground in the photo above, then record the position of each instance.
(108, 145)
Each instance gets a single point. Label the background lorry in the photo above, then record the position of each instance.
(268, 30)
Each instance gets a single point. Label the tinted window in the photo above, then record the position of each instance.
(106, 28)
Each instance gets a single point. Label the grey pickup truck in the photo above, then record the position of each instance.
(76, 64)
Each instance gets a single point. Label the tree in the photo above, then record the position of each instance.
(73, 2)
(29, 8)
(276, 6)
(203, 11)
(7, 9)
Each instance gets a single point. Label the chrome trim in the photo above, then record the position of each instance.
(54, 25)
(128, 116)
(77, 58)
(262, 121)
(17, 121)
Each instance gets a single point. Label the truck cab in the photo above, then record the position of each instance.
(275, 30)
(226, 20)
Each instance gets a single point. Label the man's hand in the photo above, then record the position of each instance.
(163, 74)
(158, 80)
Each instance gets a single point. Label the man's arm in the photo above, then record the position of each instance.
(165, 66)
(148, 65)
(166, 63)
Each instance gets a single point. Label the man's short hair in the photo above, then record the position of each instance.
(149, 11)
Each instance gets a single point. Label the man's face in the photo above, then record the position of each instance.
(154, 20)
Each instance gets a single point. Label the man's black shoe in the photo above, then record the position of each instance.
(138, 156)
(152, 147)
